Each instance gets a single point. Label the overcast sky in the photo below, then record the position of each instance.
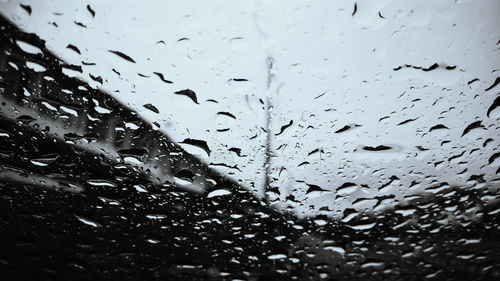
(342, 79)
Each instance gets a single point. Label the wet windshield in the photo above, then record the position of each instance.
(243, 141)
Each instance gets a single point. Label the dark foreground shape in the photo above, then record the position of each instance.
(73, 208)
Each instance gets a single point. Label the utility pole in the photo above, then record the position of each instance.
(267, 160)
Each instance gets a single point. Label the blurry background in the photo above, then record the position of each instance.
(351, 101)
